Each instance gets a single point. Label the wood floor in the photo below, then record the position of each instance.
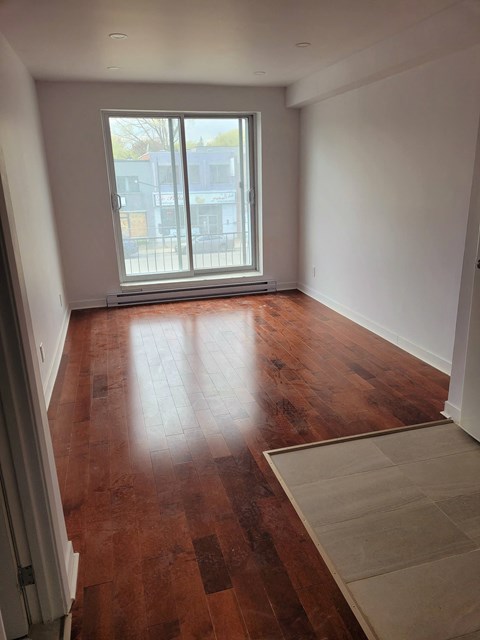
(159, 418)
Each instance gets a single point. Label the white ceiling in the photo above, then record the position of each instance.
(202, 41)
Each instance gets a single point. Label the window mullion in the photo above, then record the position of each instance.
(242, 185)
(175, 190)
(253, 184)
(183, 147)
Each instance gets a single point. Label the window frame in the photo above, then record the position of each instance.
(252, 195)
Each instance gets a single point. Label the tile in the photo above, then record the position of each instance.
(446, 477)
(340, 499)
(423, 444)
(434, 601)
(465, 513)
(329, 461)
(384, 542)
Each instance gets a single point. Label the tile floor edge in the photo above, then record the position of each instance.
(358, 436)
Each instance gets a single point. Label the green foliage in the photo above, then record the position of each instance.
(226, 139)
(133, 137)
(120, 150)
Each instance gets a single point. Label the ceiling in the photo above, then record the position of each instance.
(202, 41)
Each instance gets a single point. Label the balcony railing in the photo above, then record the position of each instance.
(168, 254)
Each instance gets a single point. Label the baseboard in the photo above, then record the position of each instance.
(94, 303)
(71, 562)
(423, 354)
(286, 286)
(452, 411)
(419, 352)
(52, 375)
(67, 627)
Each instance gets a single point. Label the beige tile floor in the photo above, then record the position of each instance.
(397, 517)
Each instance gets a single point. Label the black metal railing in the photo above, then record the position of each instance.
(170, 254)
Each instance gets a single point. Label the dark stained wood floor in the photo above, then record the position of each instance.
(159, 418)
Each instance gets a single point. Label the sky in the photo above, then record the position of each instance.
(208, 128)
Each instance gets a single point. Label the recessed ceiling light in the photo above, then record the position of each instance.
(259, 73)
(117, 36)
(113, 68)
(303, 45)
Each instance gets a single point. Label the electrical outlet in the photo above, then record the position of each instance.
(61, 299)
(42, 352)
(314, 271)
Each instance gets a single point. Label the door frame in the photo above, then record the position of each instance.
(466, 351)
(27, 432)
(13, 551)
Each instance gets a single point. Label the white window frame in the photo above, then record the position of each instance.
(191, 274)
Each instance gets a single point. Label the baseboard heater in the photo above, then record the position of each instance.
(191, 293)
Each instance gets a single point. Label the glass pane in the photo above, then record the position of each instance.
(150, 185)
(218, 163)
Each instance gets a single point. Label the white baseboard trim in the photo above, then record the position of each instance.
(286, 286)
(94, 303)
(71, 563)
(52, 375)
(67, 627)
(423, 354)
(452, 411)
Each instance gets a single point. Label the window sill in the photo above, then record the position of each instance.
(179, 283)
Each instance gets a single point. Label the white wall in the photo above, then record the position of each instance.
(70, 113)
(30, 209)
(386, 173)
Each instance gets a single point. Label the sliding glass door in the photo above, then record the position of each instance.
(182, 194)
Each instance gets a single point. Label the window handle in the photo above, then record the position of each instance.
(116, 202)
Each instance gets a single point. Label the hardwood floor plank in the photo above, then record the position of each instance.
(190, 599)
(160, 601)
(98, 618)
(98, 558)
(212, 566)
(249, 587)
(162, 469)
(129, 607)
(227, 619)
(100, 385)
(165, 631)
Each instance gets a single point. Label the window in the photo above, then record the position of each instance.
(195, 212)
(165, 174)
(194, 173)
(220, 173)
(126, 184)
